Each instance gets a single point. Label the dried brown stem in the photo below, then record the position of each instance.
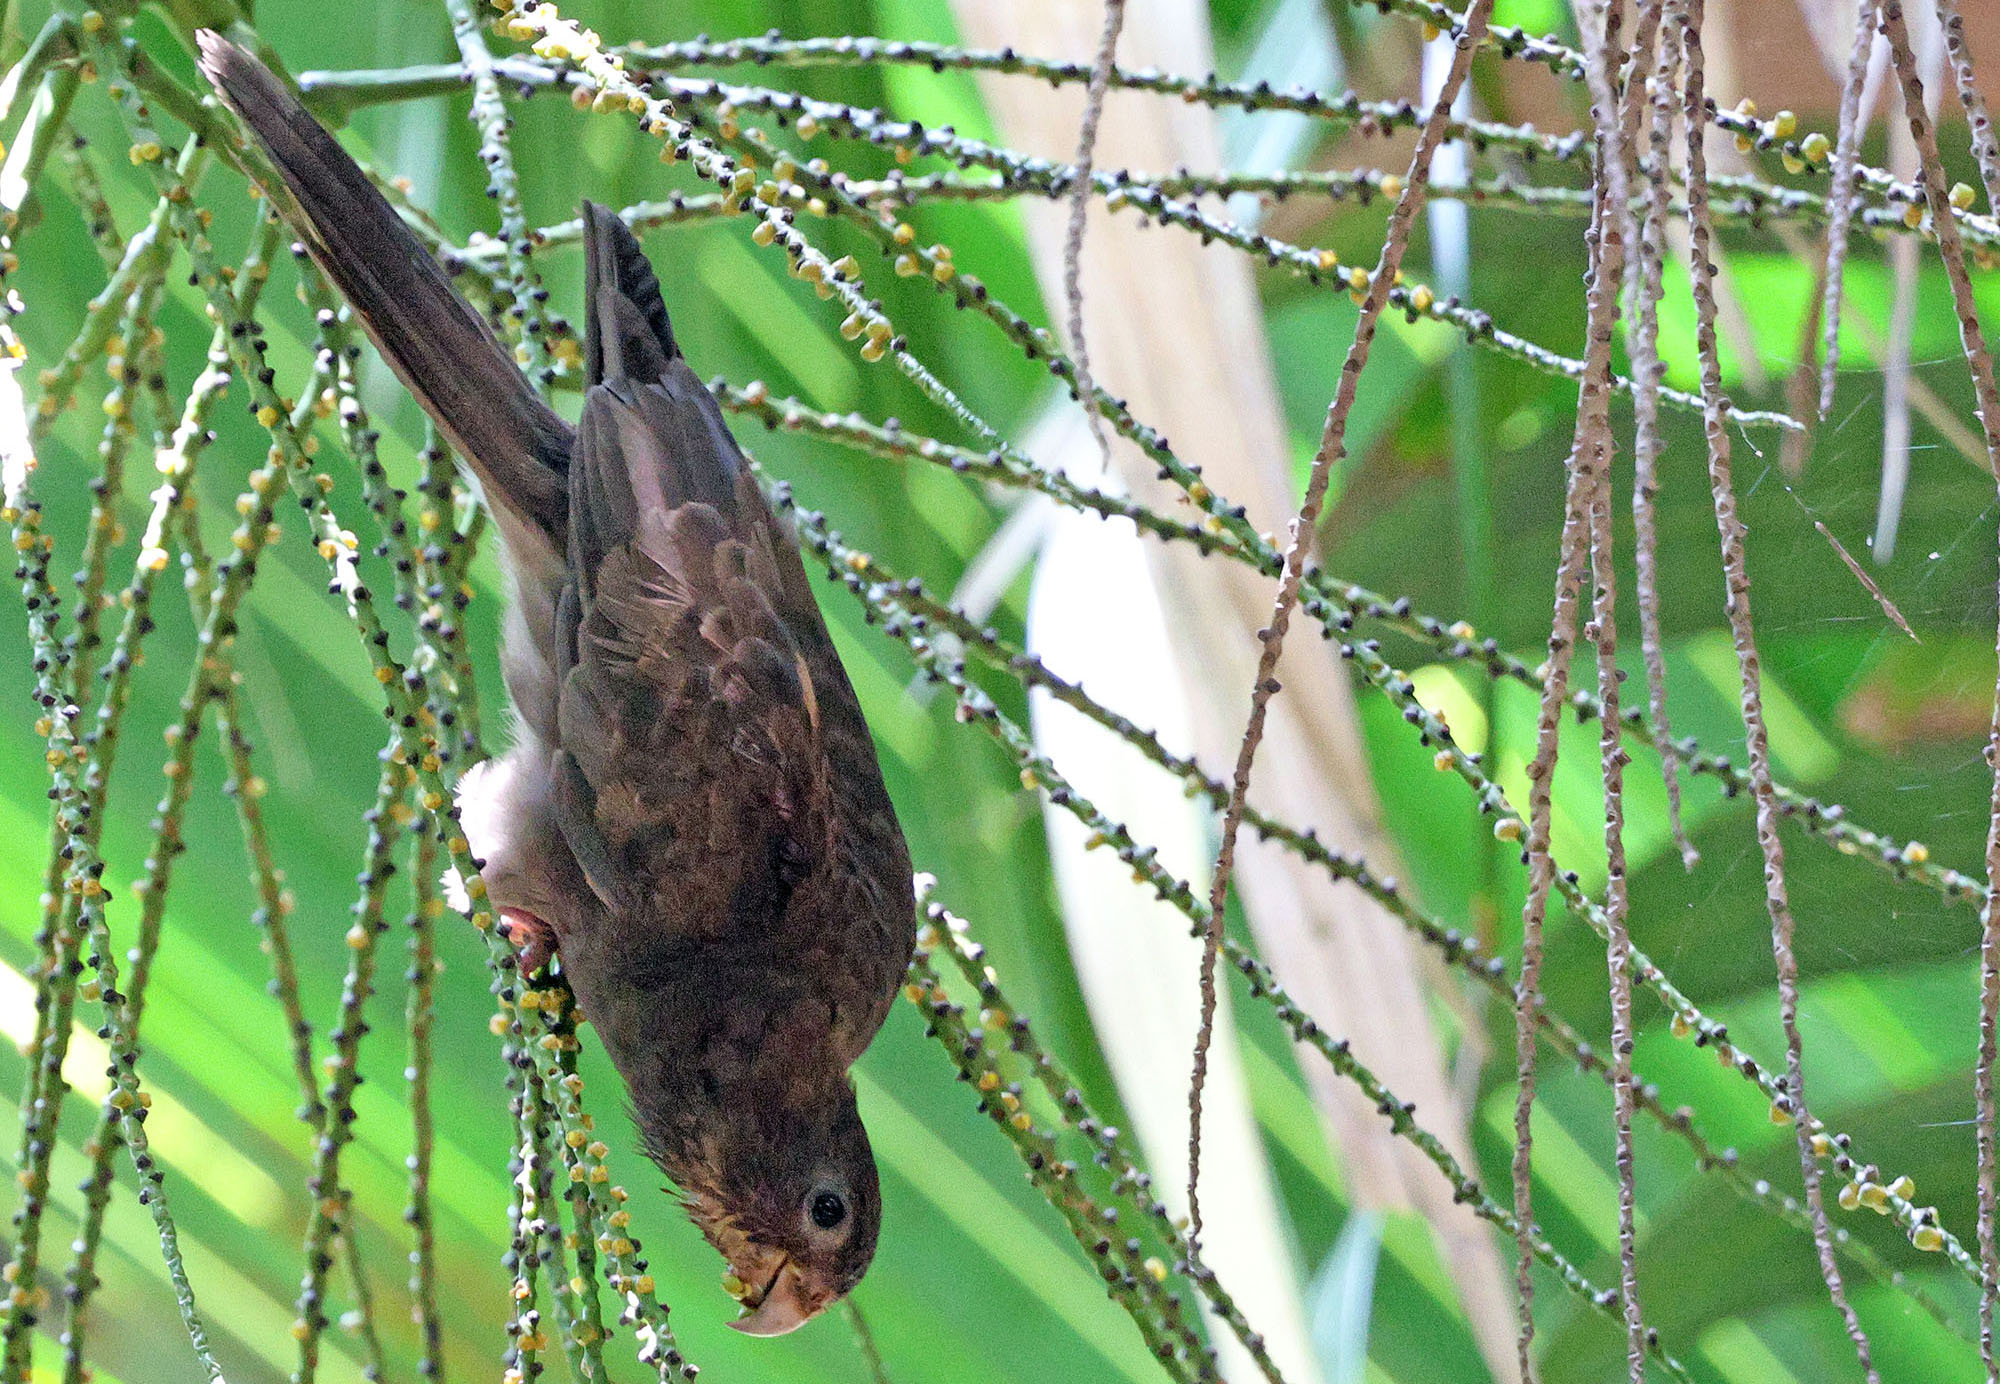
(1541, 880)
(1736, 602)
(1617, 902)
(1079, 215)
(1619, 143)
(1868, 583)
(1332, 447)
(1643, 285)
(1951, 250)
(1985, 147)
(1590, 452)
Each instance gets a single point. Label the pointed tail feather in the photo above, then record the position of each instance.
(677, 449)
(627, 332)
(439, 347)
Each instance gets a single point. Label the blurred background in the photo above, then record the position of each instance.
(1342, 1248)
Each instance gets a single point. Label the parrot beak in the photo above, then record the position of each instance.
(789, 1302)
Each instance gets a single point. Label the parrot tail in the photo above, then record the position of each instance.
(439, 347)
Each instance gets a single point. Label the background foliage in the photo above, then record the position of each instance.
(977, 1278)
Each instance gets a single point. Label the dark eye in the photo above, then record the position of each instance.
(827, 1209)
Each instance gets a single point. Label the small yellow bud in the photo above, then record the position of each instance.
(1507, 829)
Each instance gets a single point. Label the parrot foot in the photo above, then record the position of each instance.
(529, 935)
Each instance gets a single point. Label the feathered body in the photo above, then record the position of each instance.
(691, 814)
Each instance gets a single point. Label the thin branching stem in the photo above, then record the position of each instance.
(1792, 1104)
(1986, 150)
(1332, 448)
(1840, 199)
(1646, 234)
(1618, 127)
(496, 151)
(1979, 359)
(1079, 216)
(340, 92)
(1590, 454)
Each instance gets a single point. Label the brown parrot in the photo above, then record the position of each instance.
(691, 820)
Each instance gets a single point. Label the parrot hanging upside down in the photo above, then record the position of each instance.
(692, 819)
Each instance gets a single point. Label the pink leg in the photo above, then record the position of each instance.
(531, 936)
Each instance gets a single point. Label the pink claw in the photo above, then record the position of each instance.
(531, 936)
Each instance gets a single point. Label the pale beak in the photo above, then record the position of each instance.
(788, 1304)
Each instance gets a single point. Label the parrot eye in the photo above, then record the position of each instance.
(827, 1208)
